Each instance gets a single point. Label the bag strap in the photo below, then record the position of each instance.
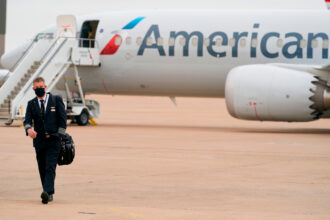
(54, 100)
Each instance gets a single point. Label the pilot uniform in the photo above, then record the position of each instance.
(49, 120)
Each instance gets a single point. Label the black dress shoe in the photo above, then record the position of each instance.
(50, 198)
(44, 197)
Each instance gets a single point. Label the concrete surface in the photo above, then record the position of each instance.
(150, 160)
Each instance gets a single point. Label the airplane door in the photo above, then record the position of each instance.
(88, 33)
(87, 54)
(66, 26)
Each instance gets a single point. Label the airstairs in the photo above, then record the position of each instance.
(46, 57)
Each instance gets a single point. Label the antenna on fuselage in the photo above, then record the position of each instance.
(3, 12)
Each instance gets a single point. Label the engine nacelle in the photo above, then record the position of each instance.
(271, 93)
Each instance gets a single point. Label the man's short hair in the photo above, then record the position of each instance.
(39, 79)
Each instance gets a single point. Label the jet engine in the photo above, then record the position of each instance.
(271, 93)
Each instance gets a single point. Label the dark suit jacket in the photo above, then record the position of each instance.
(55, 117)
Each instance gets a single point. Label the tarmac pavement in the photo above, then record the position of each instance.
(148, 159)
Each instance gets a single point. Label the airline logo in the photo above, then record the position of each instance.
(116, 41)
(290, 45)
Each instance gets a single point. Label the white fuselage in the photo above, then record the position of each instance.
(195, 49)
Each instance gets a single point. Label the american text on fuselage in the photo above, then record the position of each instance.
(293, 47)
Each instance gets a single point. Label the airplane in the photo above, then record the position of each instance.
(4, 75)
(269, 65)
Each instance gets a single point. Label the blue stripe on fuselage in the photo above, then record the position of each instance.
(133, 23)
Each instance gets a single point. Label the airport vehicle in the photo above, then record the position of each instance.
(268, 65)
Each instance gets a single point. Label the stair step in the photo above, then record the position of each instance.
(31, 71)
(22, 83)
(4, 105)
(4, 115)
(11, 96)
(4, 110)
(34, 67)
(16, 89)
(27, 75)
(25, 78)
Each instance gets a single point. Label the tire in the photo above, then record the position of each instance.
(83, 118)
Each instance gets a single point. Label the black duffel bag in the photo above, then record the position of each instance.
(67, 151)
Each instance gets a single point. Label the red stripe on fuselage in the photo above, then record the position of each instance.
(111, 48)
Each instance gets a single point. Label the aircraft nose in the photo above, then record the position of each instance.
(4, 74)
(6, 61)
(10, 58)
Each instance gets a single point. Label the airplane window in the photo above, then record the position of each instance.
(149, 41)
(218, 42)
(325, 44)
(206, 42)
(128, 40)
(242, 42)
(171, 41)
(303, 43)
(254, 42)
(160, 41)
(315, 43)
(118, 41)
(194, 41)
(279, 43)
(232, 42)
(139, 41)
(182, 41)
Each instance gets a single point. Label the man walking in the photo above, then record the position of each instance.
(47, 113)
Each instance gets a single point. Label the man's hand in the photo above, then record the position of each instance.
(32, 133)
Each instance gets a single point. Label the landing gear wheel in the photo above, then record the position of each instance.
(83, 118)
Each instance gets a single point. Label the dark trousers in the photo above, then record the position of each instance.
(47, 150)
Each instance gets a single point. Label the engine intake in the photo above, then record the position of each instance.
(321, 97)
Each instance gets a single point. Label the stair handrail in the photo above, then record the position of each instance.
(81, 40)
(50, 54)
(53, 55)
(22, 56)
(9, 84)
(49, 49)
(45, 65)
(35, 39)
